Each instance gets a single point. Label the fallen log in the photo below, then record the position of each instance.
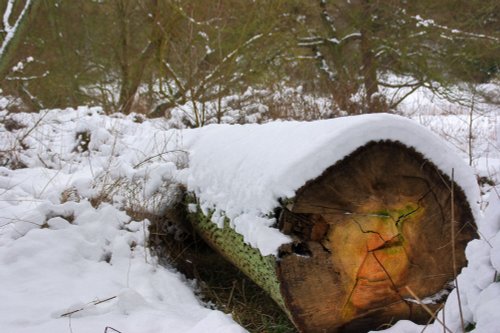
(371, 226)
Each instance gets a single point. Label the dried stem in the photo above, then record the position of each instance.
(431, 318)
(453, 252)
(83, 308)
(427, 309)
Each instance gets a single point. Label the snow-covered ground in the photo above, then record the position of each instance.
(72, 260)
(67, 266)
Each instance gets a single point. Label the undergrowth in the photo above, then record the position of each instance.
(220, 284)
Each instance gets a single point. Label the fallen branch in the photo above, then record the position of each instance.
(83, 308)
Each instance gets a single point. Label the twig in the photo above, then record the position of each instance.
(470, 123)
(231, 295)
(430, 319)
(13, 220)
(158, 155)
(444, 320)
(48, 183)
(33, 127)
(427, 309)
(69, 324)
(129, 267)
(453, 254)
(83, 308)
(43, 162)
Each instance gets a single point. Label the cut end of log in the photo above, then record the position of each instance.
(373, 225)
(372, 236)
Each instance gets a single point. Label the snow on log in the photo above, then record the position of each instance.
(338, 220)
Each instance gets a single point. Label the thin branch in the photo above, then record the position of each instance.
(326, 17)
(454, 32)
(403, 85)
(111, 328)
(427, 309)
(11, 30)
(27, 78)
(395, 104)
(175, 77)
(351, 36)
(83, 308)
(453, 252)
(208, 22)
(6, 16)
(158, 155)
(13, 220)
(33, 127)
(332, 76)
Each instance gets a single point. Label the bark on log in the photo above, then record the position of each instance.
(370, 226)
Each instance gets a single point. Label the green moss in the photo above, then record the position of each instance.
(470, 327)
(401, 215)
(382, 213)
(230, 244)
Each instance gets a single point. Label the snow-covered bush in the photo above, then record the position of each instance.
(254, 106)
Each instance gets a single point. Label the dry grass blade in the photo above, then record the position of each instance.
(83, 308)
(431, 318)
(158, 155)
(427, 309)
(453, 252)
(109, 328)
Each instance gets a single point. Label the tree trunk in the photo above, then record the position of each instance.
(369, 71)
(374, 102)
(371, 226)
(70, 87)
(133, 71)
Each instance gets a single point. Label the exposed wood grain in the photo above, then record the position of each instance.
(372, 225)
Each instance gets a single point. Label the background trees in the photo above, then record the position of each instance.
(149, 55)
(357, 44)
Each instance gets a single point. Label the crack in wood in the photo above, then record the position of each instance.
(392, 282)
(394, 241)
(367, 231)
(390, 243)
(349, 297)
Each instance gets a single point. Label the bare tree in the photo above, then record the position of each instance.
(356, 43)
(219, 50)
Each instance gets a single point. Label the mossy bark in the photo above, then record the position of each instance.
(231, 245)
